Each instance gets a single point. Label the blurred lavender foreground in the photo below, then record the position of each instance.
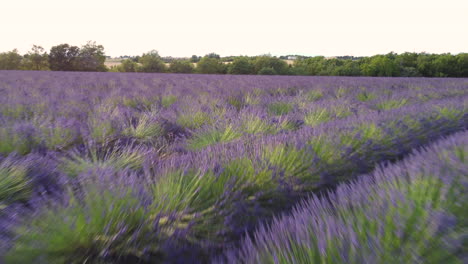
(162, 168)
(411, 212)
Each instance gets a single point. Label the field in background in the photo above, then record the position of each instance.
(116, 62)
(112, 62)
(180, 168)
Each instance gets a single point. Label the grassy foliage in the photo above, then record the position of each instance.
(101, 129)
(314, 95)
(292, 162)
(252, 99)
(279, 108)
(326, 150)
(105, 224)
(392, 104)
(341, 112)
(365, 96)
(185, 192)
(138, 102)
(15, 141)
(115, 159)
(254, 125)
(204, 200)
(285, 123)
(214, 136)
(449, 113)
(168, 100)
(54, 135)
(341, 92)
(146, 129)
(14, 183)
(317, 116)
(58, 137)
(17, 111)
(237, 102)
(248, 177)
(193, 120)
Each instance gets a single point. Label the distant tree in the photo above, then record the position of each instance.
(167, 59)
(36, 59)
(309, 66)
(213, 55)
(10, 60)
(91, 57)
(331, 67)
(409, 72)
(407, 59)
(380, 65)
(425, 65)
(64, 57)
(445, 65)
(298, 67)
(408, 62)
(135, 58)
(151, 62)
(392, 55)
(267, 71)
(195, 58)
(266, 61)
(462, 65)
(241, 65)
(228, 59)
(127, 65)
(181, 66)
(347, 68)
(209, 65)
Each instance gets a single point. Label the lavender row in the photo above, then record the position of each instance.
(279, 170)
(410, 212)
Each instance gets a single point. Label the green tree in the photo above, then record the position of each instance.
(151, 62)
(91, 57)
(209, 65)
(213, 55)
(445, 65)
(195, 58)
(267, 71)
(64, 57)
(348, 68)
(462, 65)
(181, 66)
(408, 59)
(331, 67)
(425, 65)
(266, 61)
(241, 65)
(407, 62)
(37, 59)
(309, 66)
(380, 65)
(10, 60)
(127, 65)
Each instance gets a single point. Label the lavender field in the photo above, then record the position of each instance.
(179, 168)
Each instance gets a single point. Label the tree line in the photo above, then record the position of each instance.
(91, 57)
(63, 57)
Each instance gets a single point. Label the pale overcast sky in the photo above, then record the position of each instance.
(247, 27)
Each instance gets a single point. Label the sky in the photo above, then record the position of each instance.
(242, 27)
